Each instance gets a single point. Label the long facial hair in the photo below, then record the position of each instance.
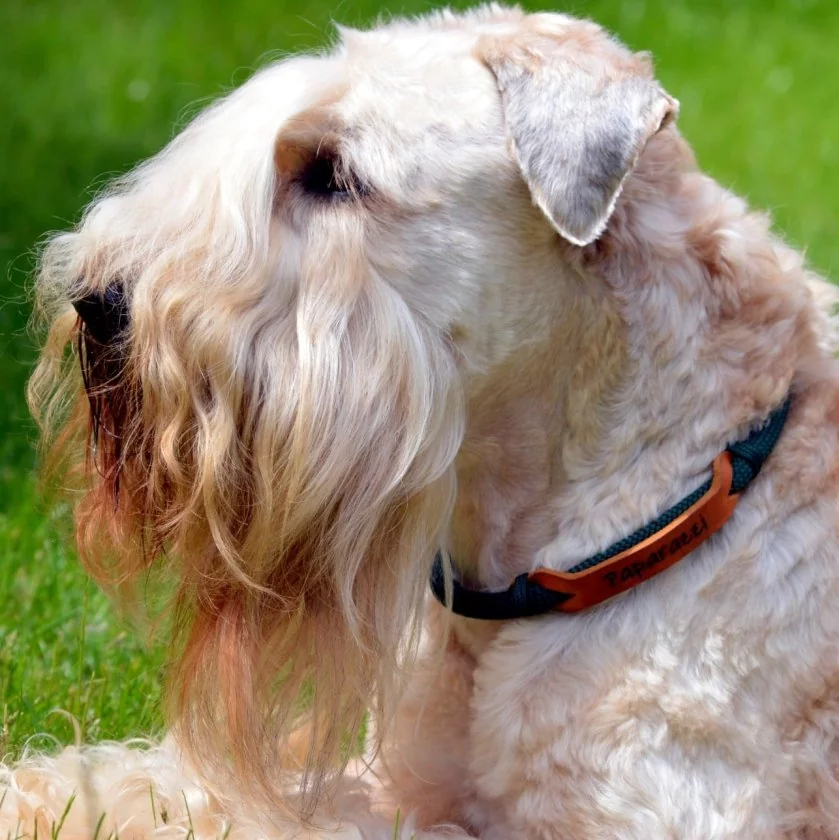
(271, 427)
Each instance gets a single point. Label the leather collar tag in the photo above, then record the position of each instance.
(655, 554)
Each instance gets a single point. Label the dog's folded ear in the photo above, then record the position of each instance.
(579, 111)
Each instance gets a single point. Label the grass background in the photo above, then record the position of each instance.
(89, 87)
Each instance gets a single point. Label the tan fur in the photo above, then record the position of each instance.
(320, 392)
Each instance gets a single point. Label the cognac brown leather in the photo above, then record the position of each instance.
(655, 554)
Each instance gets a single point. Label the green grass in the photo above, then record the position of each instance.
(91, 86)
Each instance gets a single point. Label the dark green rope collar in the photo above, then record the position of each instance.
(526, 597)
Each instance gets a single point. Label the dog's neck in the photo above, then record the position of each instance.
(684, 331)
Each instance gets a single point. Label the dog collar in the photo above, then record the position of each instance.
(634, 559)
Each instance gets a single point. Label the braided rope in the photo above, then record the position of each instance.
(527, 598)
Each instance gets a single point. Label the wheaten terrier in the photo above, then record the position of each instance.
(453, 290)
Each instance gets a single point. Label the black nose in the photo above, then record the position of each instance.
(104, 314)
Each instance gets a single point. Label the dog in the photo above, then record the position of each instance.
(452, 301)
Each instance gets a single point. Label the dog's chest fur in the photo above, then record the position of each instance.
(583, 725)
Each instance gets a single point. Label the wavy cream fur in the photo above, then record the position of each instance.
(318, 393)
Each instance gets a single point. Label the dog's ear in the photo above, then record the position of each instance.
(579, 110)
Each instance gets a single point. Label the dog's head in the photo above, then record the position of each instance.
(279, 320)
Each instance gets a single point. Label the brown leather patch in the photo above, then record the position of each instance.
(655, 554)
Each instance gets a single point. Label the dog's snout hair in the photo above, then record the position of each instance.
(455, 285)
(282, 429)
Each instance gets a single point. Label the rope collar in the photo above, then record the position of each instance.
(634, 559)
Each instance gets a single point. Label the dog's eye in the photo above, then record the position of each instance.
(322, 178)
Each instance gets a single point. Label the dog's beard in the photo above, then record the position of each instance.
(287, 457)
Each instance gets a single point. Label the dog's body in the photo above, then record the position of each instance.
(457, 285)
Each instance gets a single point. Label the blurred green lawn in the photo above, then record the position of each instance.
(89, 87)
